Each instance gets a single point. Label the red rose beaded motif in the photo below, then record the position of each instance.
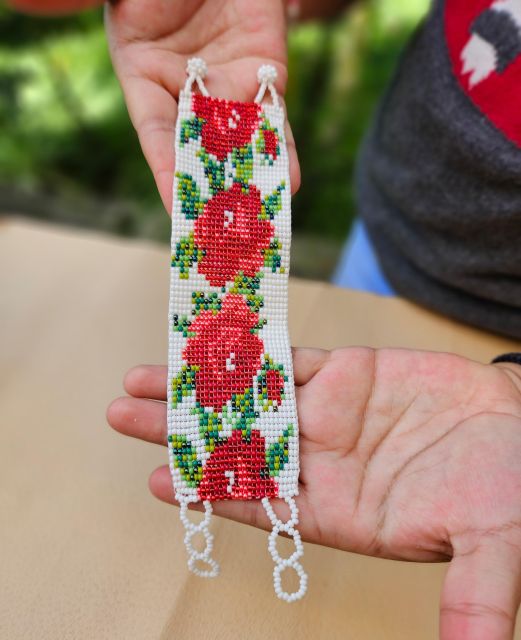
(224, 352)
(226, 124)
(231, 235)
(237, 470)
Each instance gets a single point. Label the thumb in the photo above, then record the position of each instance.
(482, 589)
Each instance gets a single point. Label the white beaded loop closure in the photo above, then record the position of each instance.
(192, 529)
(281, 563)
(196, 69)
(267, 75)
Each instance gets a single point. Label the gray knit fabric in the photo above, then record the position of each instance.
(439, 189)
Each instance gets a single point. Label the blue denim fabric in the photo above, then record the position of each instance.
(358, 267)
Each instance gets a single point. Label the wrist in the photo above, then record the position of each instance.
(513, 370)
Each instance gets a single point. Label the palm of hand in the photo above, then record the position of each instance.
(412, 443)
(417, 456)
(150, 44)
(404, 454)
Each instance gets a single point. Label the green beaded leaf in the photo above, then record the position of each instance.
(272, 258)
(239, 416)
(244, 404)
(185, 459)
(182, 324)
(274, 382)
(277, 454)
(242, 161)
(190, 129)
(189, 195)
(183, 384)
(258, 326)
(272, 204)
(186, 255)
(268, 155)
(248, 286)
(214, 171)
(202, 302)
(210, 427)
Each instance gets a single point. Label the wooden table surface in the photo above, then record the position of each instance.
(85, 551)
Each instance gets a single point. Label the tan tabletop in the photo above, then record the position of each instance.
(85, 551)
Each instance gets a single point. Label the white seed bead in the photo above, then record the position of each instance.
(197, 67)
(267, 74)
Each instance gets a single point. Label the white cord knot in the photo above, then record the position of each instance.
(267, 74)
(197, 67)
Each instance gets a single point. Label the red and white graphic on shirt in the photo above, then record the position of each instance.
(484, 43)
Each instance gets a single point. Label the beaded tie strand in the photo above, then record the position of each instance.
(232, 418)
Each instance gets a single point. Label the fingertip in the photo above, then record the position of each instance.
(294, 169)
(136, 380)
(307, 363)
(160, 484)
(147, 381)
(115, 413)
(164, 179)
(133, 379)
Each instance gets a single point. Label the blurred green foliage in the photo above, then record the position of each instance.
(68, 151)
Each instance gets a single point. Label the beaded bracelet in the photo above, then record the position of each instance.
(232, 419)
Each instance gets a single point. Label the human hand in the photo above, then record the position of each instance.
(151, 42)
(404, 454)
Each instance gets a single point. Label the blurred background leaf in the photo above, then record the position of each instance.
(69, 154)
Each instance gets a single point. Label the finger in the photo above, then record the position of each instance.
(153, 113)
(246, 511)
(294, 165)
(307, 363)
(147, 381)
(151, 104)
(138, 418)
(150, 381)
(482, 591)
(249, 512)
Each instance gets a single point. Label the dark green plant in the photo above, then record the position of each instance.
(56, 145)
